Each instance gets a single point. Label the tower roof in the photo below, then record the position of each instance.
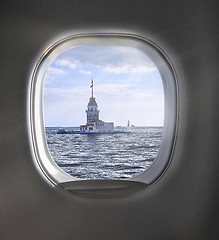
(92, 102)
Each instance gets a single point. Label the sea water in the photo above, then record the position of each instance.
(105, 156)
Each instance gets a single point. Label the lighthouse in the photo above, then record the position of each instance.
(92, 107)
(94, 124)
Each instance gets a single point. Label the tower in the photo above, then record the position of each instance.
(92, 107)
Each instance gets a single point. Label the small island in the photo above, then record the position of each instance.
(94, 124)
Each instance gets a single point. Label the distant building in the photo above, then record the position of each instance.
(128, 129)
(94, 124)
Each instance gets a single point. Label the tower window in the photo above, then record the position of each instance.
(102, 115)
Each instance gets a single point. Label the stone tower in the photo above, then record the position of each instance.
(92, 107)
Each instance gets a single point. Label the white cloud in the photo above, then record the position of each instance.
(111, 89)
(56, 91)
(110, 59)
(85, 72)
(128, 68)
(68, 63)
(54, 71)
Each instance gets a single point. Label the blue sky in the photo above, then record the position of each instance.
(127, 86)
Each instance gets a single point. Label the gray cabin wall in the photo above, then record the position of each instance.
(183, 203)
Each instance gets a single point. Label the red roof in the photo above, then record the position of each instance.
(87, 125)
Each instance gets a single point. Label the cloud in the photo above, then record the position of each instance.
(110, 89)
(84, 91)
(56, 91)
(113, 91)
(52, 71)
(112, 59)
(68, 63)
(85, 72)
(128, 68)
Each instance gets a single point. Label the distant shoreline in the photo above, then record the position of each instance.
(114, 127)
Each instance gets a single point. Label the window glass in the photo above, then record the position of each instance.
(103, 111)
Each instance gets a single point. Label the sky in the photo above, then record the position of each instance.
(127, 86)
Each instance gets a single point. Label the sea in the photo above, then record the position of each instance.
(104, 156)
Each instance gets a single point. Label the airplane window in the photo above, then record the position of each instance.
(119, 92)
(103, 107)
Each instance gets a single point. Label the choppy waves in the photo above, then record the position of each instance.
(105, 156)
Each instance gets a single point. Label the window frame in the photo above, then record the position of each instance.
(37, 129)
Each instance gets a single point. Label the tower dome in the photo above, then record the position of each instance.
(92, 103)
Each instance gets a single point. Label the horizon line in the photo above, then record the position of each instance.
(114, 127)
